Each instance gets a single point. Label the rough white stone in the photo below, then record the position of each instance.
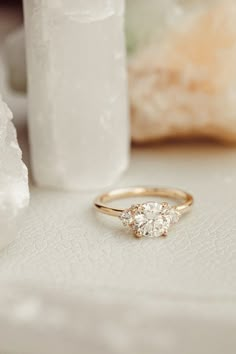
(14, 193)
(79, 128)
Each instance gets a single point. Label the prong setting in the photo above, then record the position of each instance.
(150, 219)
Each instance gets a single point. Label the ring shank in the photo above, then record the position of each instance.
(185, 199)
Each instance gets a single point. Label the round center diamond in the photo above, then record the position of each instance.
(150, 219)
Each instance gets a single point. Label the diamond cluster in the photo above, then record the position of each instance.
(150, 219)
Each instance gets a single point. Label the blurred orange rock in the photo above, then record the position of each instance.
(184, 85)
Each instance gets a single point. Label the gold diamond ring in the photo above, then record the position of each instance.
(149, 219)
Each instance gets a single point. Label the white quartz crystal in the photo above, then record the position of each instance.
(14, 193)
(79, 127)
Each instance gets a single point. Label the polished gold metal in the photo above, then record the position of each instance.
(184, 199)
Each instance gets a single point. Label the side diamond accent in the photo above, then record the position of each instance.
(126, 217)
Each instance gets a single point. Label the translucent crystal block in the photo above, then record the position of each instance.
(14, 192)
(79, 127)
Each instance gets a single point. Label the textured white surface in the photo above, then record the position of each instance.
(177, 295)
(77, 92)
(14, 191)
(47, 322)
(68, 246)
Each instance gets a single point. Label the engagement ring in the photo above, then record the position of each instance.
(149, 219)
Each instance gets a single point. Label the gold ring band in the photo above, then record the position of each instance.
(150, 219)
